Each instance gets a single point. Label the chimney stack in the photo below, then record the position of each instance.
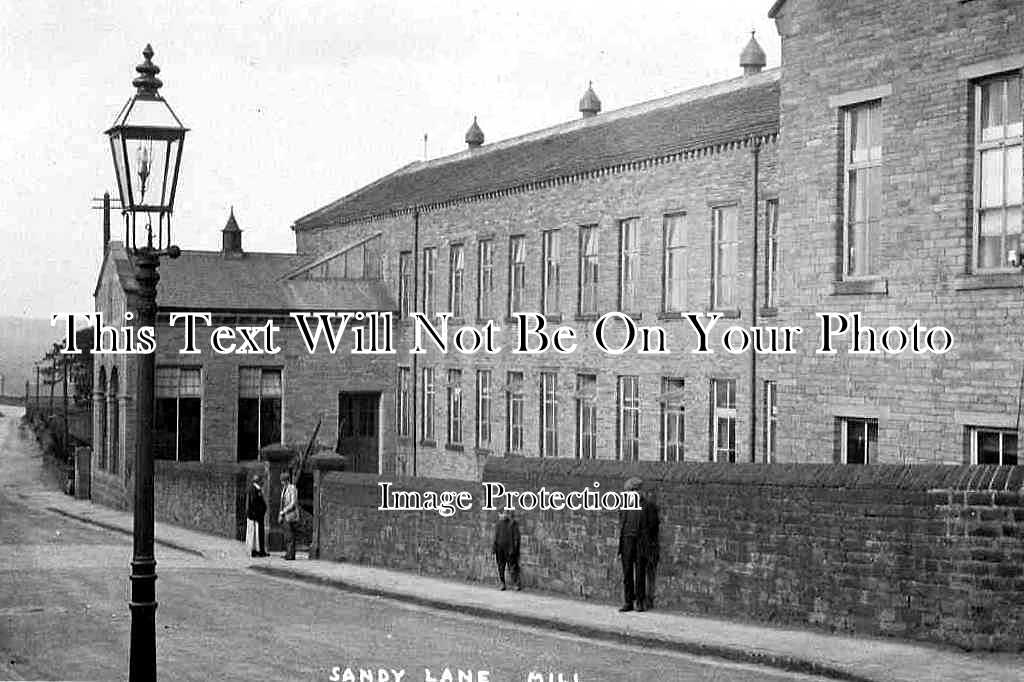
(231, 238)
(752, 58)
(106, 222)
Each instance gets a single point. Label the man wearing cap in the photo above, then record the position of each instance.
(288, 517)
(633, 549)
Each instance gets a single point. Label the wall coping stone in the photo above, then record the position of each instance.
(277, 453)
(238, 468)
(925, 478)
(920, 477)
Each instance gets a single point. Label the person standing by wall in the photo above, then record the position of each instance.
(506, 548)
(288, 517)
(633, 540)
(255, 512)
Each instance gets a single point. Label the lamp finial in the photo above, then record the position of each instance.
(147, 83)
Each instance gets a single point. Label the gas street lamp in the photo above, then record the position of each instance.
(146, 141)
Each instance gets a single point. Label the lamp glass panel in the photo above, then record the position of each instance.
(153, 113)
(119, 168)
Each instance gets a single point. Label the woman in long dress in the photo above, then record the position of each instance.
(255, 511)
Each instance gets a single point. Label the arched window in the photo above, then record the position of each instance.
(100, 440)
(114, 407)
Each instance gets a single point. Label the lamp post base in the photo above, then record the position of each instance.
(142, 659)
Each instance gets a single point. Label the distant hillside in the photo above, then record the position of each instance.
(22, 342)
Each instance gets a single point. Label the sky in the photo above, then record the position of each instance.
(292, 105)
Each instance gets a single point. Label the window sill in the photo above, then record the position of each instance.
(587, 317)
(553, 318)
(636, 317)
(859, 287)
(726, 313)
(514, 454)
(988, 280)
(484, 452)
(769, 311)
(453, 447)
(671, 315)
(428, 443)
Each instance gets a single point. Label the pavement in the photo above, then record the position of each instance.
(793, 650)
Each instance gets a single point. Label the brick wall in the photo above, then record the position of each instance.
(311, 383)
(719, 177)
(926, 552)
(201, 496)
(108, 489)
(911, 54)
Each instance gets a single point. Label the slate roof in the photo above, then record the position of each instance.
(209, 281)
(725, 112)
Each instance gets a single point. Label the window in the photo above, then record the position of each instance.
(177, 414)
(405, 284)
(771, 414)
(403, 413)
(723, 257)
(549, 414)
(629, 263)
(551, 303)
(858, 439)
(455, 407)
(427, 402)
(993, 446)
(672, 420)
(862, 175)
(629, 418)
(483, 409)
(485, 280)
(514, 410)
(674, 274)
(259, 410)
(586, 416)
(516, 274)
(723, 420)
(588, 270)
(429, 277)
(456, 270)
(771, 252)
(997, 170)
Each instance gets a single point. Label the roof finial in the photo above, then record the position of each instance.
(474, 136)
(752, 59)
(590, 105)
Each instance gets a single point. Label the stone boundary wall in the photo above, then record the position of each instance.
(208, 497)
(921, 552)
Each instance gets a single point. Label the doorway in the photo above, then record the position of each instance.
(358, 430)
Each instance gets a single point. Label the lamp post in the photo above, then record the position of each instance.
(145, 142)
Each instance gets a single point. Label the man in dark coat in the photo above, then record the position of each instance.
(633, 550)
(255, 512)
(506, 548)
